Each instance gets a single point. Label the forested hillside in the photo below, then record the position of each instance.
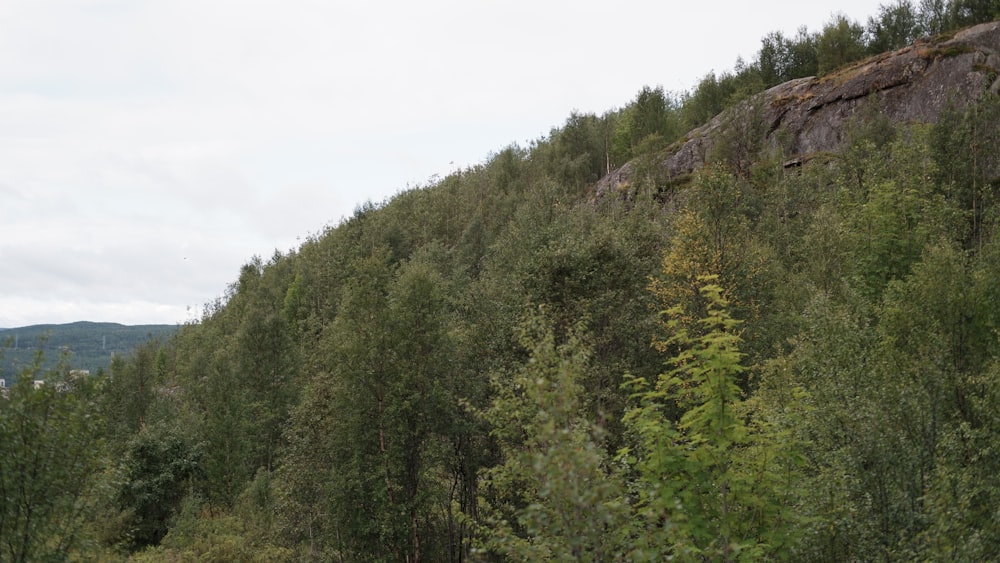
(81, 345)
(757, 361)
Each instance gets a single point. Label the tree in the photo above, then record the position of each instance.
(774, 59)
(840, 42)
(650, 116)
(969, 12)
(896, 26)
(49, 467)
(383, 423)
(711, 485)
(781, 59)
(965, 147)
(894, 212)
(934, 17)
(649, 123)
(709, 98)
(936, 334)
(129, 393)
(832, 360)
(579, 150)
(713, 233)
(963, 495)
(266, 361)
(740, 143)
(157, 473)
(804, 56)
(553, 497)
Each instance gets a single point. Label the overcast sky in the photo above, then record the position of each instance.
(148, 149)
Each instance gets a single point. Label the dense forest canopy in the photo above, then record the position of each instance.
(755, 363)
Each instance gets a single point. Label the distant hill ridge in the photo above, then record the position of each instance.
(89, 345)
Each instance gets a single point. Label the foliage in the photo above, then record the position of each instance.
(50, 468)
(440, 375)
(964, 146)
(393, 393)
(715, 93)
(711, 485)
(581, 151)
(552, 497)
(197, 536)
(840, 42)
(130, 391)
(781, 59)
(92, 346)
(156, 474)
(895, 26)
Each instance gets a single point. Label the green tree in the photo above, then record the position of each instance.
(580, 150)
(157, 473)
(781, 59)
(709, 98)
(936, 335)
(383, 427)
(850, 459)
(896, 26)
(933, 16)
(129, 393)
(50, 465)
(774, 59)
(969, 12)
(711, 485)
(649, 123)
(840, 42)
(714, 233)
(553, 497)
(894, 212)
(963, 494)
(965, 147)
(266, 363)
(741, 142)
(650, 116)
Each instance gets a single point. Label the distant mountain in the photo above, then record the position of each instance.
(89, 345)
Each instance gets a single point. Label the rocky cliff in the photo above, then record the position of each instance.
(808, 116)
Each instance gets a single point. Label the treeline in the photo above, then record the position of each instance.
(841, 41)
(85, 345)
(588, 146)
(758, 364)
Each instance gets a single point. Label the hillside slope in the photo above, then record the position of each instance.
(808, 116)
(759, 362)
(90, 345)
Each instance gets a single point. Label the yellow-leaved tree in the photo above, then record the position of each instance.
(717, 483)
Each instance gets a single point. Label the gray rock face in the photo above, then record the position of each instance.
(809, 115)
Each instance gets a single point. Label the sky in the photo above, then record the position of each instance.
(149, 148)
